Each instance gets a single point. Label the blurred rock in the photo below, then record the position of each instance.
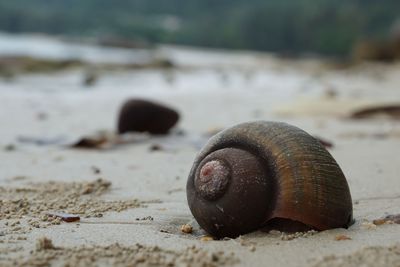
(138, 115)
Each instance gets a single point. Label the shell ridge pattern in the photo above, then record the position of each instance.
(302, 180)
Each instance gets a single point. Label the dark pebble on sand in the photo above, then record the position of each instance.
(139, 115)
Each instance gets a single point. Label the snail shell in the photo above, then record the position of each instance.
(267, 174)
(138, 115)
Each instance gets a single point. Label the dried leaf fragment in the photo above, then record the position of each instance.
(90, 142)
(393, 218)
(379, 221)
(390, 111)
(66, 217)
(206, 238)
(342, 237)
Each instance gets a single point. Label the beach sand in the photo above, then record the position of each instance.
(131, 199)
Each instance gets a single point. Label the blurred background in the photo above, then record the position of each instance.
(324, 27)
(259, 59)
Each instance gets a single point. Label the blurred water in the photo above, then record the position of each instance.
(199, 70)
(48, 47)
(44, 47)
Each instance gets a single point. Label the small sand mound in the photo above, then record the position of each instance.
(367, 257)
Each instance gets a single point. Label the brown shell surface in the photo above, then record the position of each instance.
(309, 186)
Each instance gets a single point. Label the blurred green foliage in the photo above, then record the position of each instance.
(286, 26)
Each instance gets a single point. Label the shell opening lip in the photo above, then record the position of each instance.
(212, 179)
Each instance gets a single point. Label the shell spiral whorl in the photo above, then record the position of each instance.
(260, 173)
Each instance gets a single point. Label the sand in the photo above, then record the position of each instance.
(131, 198)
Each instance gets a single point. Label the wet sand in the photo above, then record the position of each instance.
(138, 217)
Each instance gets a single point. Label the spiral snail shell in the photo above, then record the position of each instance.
(267, 174)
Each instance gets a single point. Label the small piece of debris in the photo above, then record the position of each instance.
(206, 238)
(90, 142)
(186, 228)
(389, 111)
(156, 147)
(379, 221)
(147, 218)
(175, 190)
(96, 170)
(342, 237)
(66, 217)
(389, 219)
(103, 140)
(394, 218)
